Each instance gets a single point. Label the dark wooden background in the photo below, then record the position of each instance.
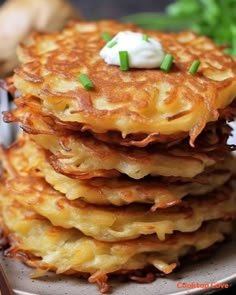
(94, 9)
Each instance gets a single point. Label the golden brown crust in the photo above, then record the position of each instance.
(81, 156)
(100, 260)
(27, 158)
(109, 223)
(124, 142)
(133, 102)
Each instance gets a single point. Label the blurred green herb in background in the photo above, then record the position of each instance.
(213, 18)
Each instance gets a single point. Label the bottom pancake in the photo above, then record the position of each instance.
(43, 246)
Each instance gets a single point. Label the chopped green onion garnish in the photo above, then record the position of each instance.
(112, 44)
(106, 37)
(124, 60)
(85, 81)
(167, 62)
(145, 37)
(194, 67)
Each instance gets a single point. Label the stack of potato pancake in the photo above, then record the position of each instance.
(128, 177)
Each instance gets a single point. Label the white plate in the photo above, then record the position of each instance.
(221, 268)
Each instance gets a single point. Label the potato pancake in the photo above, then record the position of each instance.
(80, 155)
(69, 251)
(147, 101)
(27, 158)
(123, 223)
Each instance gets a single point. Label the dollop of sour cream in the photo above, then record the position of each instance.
(145, 54)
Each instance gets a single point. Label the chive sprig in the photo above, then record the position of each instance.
(194, 67)
(167, 62)
(124, 60)
(106, 37)
(85, 81)
(112, 44)
(145, 37)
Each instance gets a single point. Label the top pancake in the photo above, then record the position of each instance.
(137, 101)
